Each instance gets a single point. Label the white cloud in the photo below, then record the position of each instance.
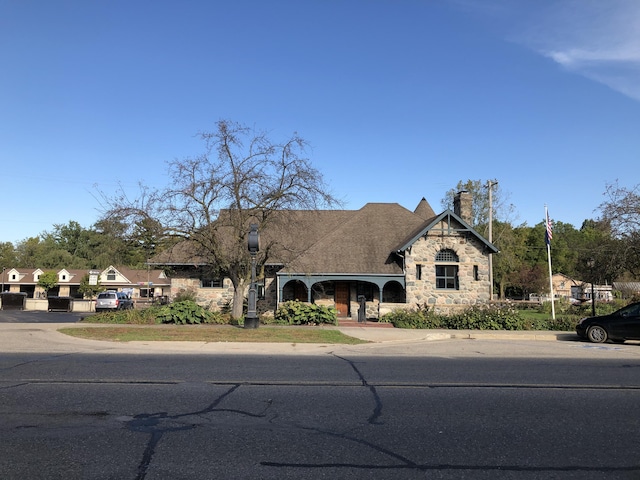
(597, 39)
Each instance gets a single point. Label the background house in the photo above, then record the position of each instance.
(576, 291)
(139, 284)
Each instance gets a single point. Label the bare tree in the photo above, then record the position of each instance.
(621, 210)
(242, 177)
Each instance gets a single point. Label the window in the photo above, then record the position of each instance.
(111, 275)
(446, 255)
(146, 292)
(418, 272)
(476, 273)
(447, 275)
(207, 282)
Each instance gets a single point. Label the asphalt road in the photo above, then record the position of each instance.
(449, 409)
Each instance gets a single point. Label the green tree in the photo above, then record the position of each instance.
(113, 247)
(147, 238)
(31, 251)
(506, 265)
(48, 280)
(87, 290)
(601, 256)
(8, 256)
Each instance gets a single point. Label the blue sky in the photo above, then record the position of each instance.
(400, 99)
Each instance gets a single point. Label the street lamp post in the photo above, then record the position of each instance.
(252, 320)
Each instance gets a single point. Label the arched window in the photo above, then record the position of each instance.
(446, 255)
(447, 270)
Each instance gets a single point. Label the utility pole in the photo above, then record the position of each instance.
(490, 185)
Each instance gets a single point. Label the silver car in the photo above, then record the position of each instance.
(113, 301)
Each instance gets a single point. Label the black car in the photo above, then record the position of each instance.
(618, 326)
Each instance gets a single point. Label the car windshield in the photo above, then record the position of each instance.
(107, 295)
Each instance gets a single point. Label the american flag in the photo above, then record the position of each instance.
(549, 233)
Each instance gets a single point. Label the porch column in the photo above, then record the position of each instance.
(279, 289)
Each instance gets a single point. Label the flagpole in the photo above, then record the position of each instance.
(548, 242)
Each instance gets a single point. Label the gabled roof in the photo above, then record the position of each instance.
(452, 221)
(125, 275)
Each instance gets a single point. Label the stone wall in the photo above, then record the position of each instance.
(213, 298)
(221, 298)
(472, 290)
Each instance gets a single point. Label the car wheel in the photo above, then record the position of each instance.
(597, 334)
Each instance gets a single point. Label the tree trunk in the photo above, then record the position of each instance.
(238, 299)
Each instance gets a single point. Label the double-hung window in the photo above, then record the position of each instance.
(447, 270)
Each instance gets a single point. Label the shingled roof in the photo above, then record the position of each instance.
(330, 241)
(362, 244)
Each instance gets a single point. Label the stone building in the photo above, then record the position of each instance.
(384, 254)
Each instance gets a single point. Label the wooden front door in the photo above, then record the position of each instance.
(342, 299)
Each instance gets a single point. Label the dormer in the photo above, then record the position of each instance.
(36, 275)
(64, 276)
(111, 275)
(14, 275)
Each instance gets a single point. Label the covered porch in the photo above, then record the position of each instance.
(344, 292)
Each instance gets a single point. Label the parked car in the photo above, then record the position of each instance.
(618, 326)
(113, 301)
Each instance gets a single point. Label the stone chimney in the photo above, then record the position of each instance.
(462, 206)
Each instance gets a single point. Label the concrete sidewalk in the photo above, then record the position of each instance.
(44, 337)
(379, 335)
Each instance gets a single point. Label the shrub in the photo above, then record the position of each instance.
(418, 318)
(499, 316)
(298, 313)
(479, 317)
(187, 312)
(563, 323)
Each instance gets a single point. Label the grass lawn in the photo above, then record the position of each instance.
(534, 315)
(211, 333)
